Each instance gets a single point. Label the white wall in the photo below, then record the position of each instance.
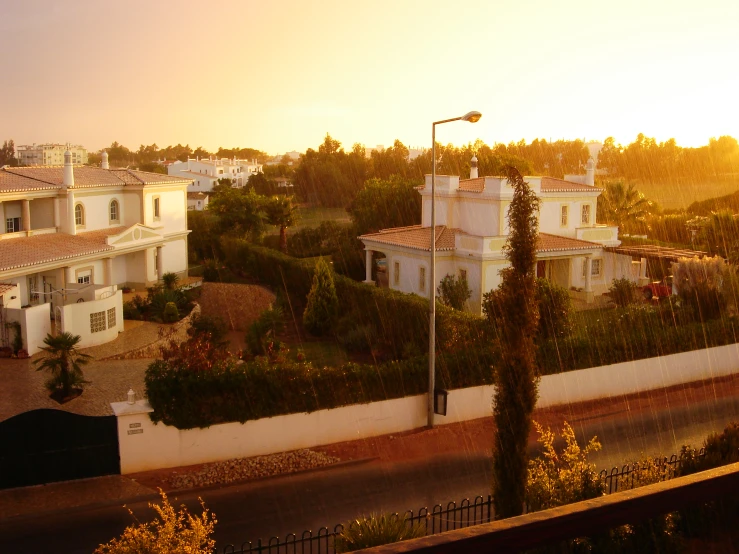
(76, 319)
(97, 209)
(35, 325)
(172, 208)
(158, 446)
(478, 218)
(131, 208)
(174, 256)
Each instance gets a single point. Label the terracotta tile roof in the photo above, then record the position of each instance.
(550, 184)
(416, 237)
(555, 243)
(196, 195)
(5, 287)
(14, 179)
(27, 251)
(472, 185)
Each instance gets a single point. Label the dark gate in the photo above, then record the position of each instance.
(43, 446)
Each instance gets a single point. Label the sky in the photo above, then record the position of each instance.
(278, 75)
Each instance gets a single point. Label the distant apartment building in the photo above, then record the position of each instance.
(49, 154)
(205, 173)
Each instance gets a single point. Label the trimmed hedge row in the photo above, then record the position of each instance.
(238, 391)
(400, 319)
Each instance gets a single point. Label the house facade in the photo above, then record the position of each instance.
(49, 154)
(206, 173)
(72, 236)
(472, 228)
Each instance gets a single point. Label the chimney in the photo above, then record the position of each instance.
(473, 167)
(104, 163)
(68, 180)
(590, 172)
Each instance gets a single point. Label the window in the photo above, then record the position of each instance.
(114, 212)
(422, 279)
(111, 318)
(13, 225)
(563, 217)
(79, 215)
(83, 279)
(97, 322)
(586, 214)
(156, 208)
(595, 270)
(396, 273)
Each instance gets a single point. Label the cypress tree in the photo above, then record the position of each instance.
(323, 303)
(516, 376)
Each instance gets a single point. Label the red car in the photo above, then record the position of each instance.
(658, 289)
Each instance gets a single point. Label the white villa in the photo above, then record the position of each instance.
(574, 251)
(204, 174)
(72, 236)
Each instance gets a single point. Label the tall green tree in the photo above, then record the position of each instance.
(383, 203)
(240, 211)
(7, 153)
(516, 316)
(282, 212)
(323, 303)
(623, 205)
(64, 362)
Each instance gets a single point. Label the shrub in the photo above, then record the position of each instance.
(210, 271)
(322, 305)
(454, 291)
(558, 478)
(64, 362)
(169, 532)
(209, 328)
(170, 280)
(377, 530)
(130, 311)
(270, 323)
(699, 283)
(555, 310)
(624, 292)
(170, 313)
(359, 338)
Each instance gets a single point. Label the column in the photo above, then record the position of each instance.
(26, 215)
(57, 215)
(589, 296)
(368, 266)
(68, 276)
(108, 266)
(160, 263)
(71, 226)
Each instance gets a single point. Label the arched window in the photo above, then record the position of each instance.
(79, 215)
(114, 211)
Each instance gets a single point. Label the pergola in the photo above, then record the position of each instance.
(656, 252)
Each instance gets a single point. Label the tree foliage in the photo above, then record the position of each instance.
(322, 306)
(624, 206)
(240, 211)
(282, 212)
(7, 154)
(515, 376)
(454, 291)
(64, 362)
(384, 203)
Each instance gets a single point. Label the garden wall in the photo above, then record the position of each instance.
(145, 446)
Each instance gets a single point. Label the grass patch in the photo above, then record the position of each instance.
(321, 353)
(678, 195)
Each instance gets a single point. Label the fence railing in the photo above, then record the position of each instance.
(458, 516)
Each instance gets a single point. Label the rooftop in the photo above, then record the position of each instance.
(550, 184)
(556, 243)
(21, 179)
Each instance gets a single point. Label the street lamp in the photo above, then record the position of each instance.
(472, 117)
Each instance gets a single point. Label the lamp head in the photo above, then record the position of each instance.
(472, 117)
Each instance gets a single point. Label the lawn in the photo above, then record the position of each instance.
(312, 216)
(679, 195)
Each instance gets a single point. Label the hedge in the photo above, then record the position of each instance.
(401, 319)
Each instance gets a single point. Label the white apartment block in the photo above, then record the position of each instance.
(71, 237)
(49, 154)
(205, 173)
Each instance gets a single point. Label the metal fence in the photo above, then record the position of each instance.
(464, 514)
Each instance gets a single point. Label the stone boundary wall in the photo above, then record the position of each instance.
(145, 446)
(178, 332)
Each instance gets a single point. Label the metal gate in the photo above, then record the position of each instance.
(43, 446)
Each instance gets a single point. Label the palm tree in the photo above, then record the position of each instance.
(64, 362)
(282, 211)
(170, 280)
(623, 206)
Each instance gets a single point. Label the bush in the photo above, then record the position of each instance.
(169, 532)
(359, 338)
(170, 313)
(700, 283)
(210, 271)
(454, 291)
(170, 280)
(624, 292)
(270, 323)
(322, 305)
(209, 328)
(377, 530)
(130, 311)
(555, 310)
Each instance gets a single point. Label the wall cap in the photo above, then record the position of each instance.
(138, 407)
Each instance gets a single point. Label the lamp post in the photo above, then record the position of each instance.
(472, 117)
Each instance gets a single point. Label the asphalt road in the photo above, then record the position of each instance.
(295, 503)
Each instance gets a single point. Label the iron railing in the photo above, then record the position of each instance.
(466, 514)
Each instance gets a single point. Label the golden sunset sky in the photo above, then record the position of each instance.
(278, 75)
